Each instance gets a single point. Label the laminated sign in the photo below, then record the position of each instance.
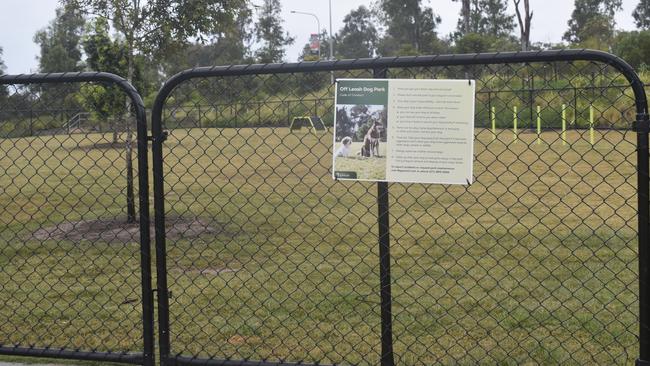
(404, 130)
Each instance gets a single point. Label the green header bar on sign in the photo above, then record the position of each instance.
(361, 91)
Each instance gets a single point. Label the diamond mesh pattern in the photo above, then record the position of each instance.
(69, 261)
(533, 263)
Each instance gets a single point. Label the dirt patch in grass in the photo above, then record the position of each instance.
(119, 231)
(109, 145)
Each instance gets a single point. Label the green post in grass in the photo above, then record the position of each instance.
(591, 124)
(514, 122)
(539, 125)
(563, 124)
(493, 117)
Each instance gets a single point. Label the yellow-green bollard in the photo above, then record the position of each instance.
(514, 122)
(493, 117)
(539, 125)
(563, 124)
(591, 124)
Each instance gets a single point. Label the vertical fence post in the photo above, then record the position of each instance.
(563, 124)
(514, 123)
(591, 124)
(493, 117)
(539, 125)
(387, 358)
(643, 195)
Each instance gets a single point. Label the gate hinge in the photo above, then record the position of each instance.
(642, 124)
(163, 137)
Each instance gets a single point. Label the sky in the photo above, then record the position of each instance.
(20, 19)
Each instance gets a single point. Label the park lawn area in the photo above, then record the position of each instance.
(534, 263)
(367, 168)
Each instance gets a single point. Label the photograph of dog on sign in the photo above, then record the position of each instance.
(360, 142)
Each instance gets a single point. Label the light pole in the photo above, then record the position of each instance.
(318, 24)
(331, 35)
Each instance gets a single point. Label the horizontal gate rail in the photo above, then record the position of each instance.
(146, 357)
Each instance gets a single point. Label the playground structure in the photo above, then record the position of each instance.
(313, 122)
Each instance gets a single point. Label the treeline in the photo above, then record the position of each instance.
(148, 41)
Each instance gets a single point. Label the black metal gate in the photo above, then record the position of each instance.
(75, 264)
(271, 262)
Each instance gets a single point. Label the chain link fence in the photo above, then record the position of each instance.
(72, 268)
(269, 260)
(263, 259)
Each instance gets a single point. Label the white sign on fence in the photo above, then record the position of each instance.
(404, 130)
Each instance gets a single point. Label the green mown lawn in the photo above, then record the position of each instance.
(269, 258)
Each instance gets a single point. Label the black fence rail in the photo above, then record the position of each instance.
(272, 262)
(75, 279)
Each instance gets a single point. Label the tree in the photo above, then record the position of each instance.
(270, 33)
(589, 16)
(524, 23)
(156, 28)
(232, 46)
(60, 41)
(641, 15)
(153, 29)
(410, 28)
(358, 38)
(3, 67)
(633, 47)
(494, 20)
(464, 22)
(488, 17)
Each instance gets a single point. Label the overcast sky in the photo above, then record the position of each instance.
(20, 19)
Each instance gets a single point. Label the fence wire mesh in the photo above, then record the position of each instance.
(535, 262)
(70, 266)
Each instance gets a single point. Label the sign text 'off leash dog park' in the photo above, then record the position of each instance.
(404, 130)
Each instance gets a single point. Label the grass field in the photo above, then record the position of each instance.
(367, 168)
(535, 263)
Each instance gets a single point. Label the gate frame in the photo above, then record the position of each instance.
(379, 67)
(146, 357)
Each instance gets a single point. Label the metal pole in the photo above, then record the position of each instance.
(331, 44)
(643, 126)
(387, 357)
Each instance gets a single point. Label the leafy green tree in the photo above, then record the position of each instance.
(410, 27)
(487, 17)
(495, 20)
(270, 33)
(60, 41)
(641, 15)
(589, 17)
(633, 47)
(232, 46)
(107, 55)
(152, 29)
(358, 38)
(155, 28)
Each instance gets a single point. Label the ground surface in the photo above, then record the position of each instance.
(536, 261)
(367, 168)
